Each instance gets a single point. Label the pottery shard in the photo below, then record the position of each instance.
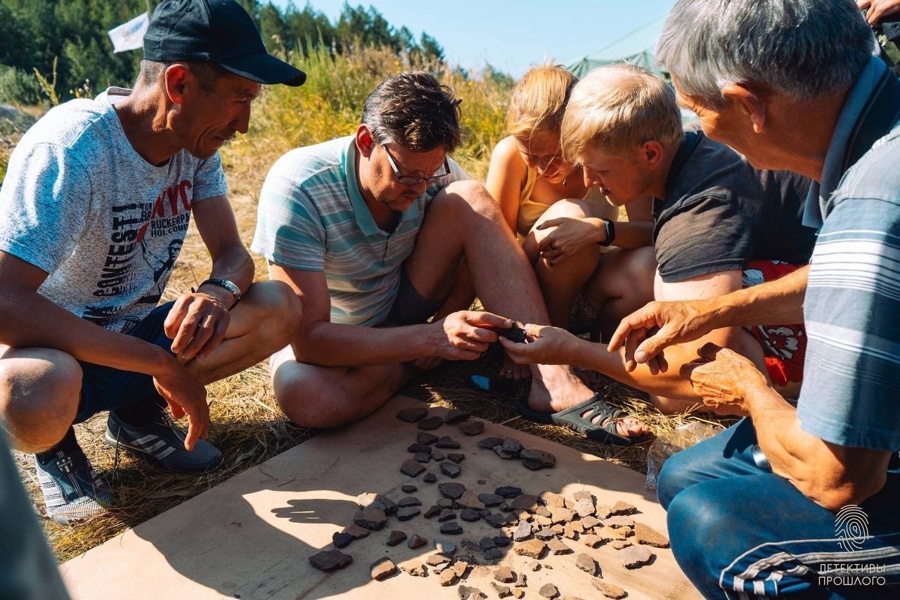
(509, 448)
(518, 593)
(502, 590)
(415, 541)
(585, 507)
(372, 519)
(414, 568)
(411, 467)
(649, 536)
(504, 574)
(560, 514)
(329, 560)
(573, 529)
(460, 567)
(620, 544)
(451, 528)
(558, 547)
(357, 532)
(409, 489)
(590, 522)
(411, 415)
(455, 415)
(456, 457)
(508, 491)
(522, 532)
(619, 521)
(470, 593)
(418, 448)
(472, 427)
(436, 560)
(586, 563)
(426, 438)
(430, 423)
(447, 577)
(545, 534)
(548, 590)
(635, 557)
(496, 520)
(452, 490)
(429, 478)
(467, 514)
(531, 548)
(422, 457)
(493, 554)
(341, 539)
(447, 514)
(448, 443)
(524, 502)
(432, 512)
(382, 568)
(488, 443)
(396, 537)
(553, 499)
(469, 499)
(603, 512)
(545, 459)
(490, 499)
(591, 540)
(610, 590)
(450, 469)
(608, 534)
(623, 508)
(408, 512)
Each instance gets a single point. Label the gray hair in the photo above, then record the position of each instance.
(803, 49)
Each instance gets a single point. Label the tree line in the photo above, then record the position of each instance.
(53, 50)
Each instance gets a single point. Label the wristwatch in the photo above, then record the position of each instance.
(226, 284)
(610, 232)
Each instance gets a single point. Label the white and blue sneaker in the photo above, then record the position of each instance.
(72, 490)
(162, 443)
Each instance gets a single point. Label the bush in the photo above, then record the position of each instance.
(329, 105)
(19, 87)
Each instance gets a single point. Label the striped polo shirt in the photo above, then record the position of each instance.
(312, 217)
(852, 305)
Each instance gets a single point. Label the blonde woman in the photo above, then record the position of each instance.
(567, 228)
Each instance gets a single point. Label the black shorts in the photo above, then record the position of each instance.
(104, 388)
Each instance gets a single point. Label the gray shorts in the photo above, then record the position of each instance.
(409, 308)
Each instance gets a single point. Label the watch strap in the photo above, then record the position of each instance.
(610, 227)
(227, 285)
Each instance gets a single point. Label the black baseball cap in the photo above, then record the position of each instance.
(218, 31)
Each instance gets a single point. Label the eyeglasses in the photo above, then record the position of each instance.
(412, 180)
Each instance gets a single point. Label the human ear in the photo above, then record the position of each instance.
(176, 82)
(749, 101)
(365, 143)
(651, 152)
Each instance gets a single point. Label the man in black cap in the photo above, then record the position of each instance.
(96, 190)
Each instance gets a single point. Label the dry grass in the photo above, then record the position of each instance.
(247, 427)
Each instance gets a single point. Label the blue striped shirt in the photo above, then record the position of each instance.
(852, 307)
(312, 217)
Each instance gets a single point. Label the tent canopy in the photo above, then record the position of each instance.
(636, 48)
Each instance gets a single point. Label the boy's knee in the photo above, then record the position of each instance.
(675, 476)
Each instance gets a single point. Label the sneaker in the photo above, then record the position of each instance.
(72, 491)
(162, 443)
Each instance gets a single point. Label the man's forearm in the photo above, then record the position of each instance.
(829, 475)
(332, 345)
(770, 303)
(32, 321)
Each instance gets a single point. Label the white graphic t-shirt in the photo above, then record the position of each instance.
(81, 204)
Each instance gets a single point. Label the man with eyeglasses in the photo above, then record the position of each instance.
(371, 231)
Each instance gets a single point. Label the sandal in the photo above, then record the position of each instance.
(594, 417)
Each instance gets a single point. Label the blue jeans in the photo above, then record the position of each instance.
(736, 527)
